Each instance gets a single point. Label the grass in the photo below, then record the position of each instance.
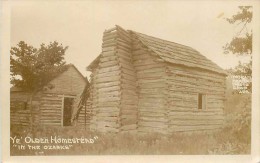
(234, 138)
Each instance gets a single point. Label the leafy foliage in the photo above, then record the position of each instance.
(244, 15)
(244, 71)
(32, 68)
(241, 44)
(235, 137)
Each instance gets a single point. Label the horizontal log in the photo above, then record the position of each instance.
(108, 54)
(51, 98)
(152, 110)
(108, 74)
(143, 129)
(124, 61)
(107, 99)
(141, 56)
(192, 128)
(50, 111)
(128, 106)
(127, 116)
(107, 124)
(189, 117)
(197, 113)
(123, 43)
(126, 66)
(147, 61)
(182, 109)
(197, 76)
(107, 119)
(143, 81)
(107, 114)
(116, 93)
(108, 89)
(188, 80)
(109, 69)
(153, 124)
(154, 119)
(108, 79)
(128, 121)
(51, 105)
(126, 101)
(129, 112)
(153, 75)
(108, 49)
(109, 36)
(151, 99)
(149, 95)
(106, 104)
(195, 122)
(107, 129)
(128, 127)
(150, 114)
(128, 77)
(152, 85)
(126, 49)
(108, 58)
(123, 55)
(107, 84)
(108, 64)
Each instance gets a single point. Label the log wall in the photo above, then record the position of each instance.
(51, 109)
(151, 79)
(183, 85)
(19, 113)
(135, 88)
(114, 85)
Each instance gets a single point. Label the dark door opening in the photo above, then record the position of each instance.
(67, 111)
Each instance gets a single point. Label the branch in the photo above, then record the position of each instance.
(242, 29)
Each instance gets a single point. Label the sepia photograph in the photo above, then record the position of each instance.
(92, 78)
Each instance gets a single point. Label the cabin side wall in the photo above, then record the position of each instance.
(20, 114)
(19, 110)
(184, 86)
(68, 84)
(114, 85)
(152, 87)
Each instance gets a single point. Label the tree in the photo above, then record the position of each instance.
(32, 68)
(241, 43)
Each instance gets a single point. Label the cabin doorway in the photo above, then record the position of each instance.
(67, 110)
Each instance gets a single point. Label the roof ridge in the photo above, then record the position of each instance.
(164, 40)
(151, 42)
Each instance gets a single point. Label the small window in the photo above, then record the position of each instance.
(202, 101)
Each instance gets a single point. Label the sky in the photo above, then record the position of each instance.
(80, 25)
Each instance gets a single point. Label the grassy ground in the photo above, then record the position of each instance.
(234, 138)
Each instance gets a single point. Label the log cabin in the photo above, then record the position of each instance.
(146, 84)
(55, 104)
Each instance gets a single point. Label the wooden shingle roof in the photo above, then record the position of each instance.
(172, 53)
(178, 54)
